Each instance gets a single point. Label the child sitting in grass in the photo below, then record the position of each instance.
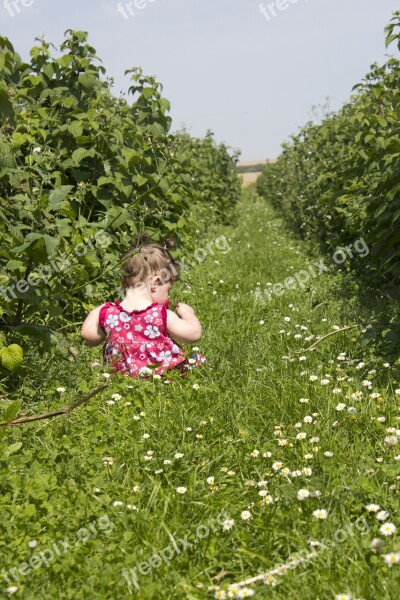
(137, 330)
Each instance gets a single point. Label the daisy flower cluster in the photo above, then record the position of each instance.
(235, 591)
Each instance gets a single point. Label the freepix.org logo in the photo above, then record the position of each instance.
(14, 7)
(301, 278)
(273, 8)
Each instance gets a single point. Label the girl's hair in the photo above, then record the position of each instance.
(147, 258)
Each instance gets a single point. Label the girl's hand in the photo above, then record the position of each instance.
(182, 308)
(183, 325)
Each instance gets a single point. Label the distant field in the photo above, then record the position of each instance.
(249, 171)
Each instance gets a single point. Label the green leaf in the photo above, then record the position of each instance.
(6, 107)
(7, 159)
(75, 129)
(16, 234)
(12, 357)
(81, 153)
(368, 485)
(57, 196)
(148, 93)
(390, 39)
(12, 411)
(87, 80)
(90, 259)
(141, 180)
(15, 265)
(13, 448)
(52, 244)
(105, 181)
(392, 470)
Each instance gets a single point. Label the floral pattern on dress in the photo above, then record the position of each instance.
(151, 332)
(138, 343)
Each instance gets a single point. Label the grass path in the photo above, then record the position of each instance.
(254, 433)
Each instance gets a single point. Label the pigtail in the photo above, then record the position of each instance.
(169, 243)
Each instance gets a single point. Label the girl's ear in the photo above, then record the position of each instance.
(155, 281)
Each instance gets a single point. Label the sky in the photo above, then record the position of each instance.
(249, 77)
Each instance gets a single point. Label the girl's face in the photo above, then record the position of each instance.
(159, 293)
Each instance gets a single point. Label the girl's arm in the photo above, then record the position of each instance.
(91, 331)
(186, 327)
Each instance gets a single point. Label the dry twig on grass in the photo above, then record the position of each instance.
(60, 411)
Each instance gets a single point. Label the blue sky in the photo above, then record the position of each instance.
(252, 80)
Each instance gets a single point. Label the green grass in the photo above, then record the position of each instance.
(56, 483)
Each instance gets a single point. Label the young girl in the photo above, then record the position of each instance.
(137, 330)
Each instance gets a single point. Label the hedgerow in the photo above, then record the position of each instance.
(340, 179)
(82, 172)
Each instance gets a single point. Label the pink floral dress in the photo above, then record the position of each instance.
(139, 338)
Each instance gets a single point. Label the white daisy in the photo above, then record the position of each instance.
(320, 513)
(245, 515)
(12, 589)
(372, 507)
(391, 440)
(387, 529)
(303, 494)
(382, 515)
(227, 524)
(277, 466)
(392, 559)
(245, 593)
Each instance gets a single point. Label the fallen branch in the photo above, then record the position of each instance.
(324, 338)
(60, 411)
